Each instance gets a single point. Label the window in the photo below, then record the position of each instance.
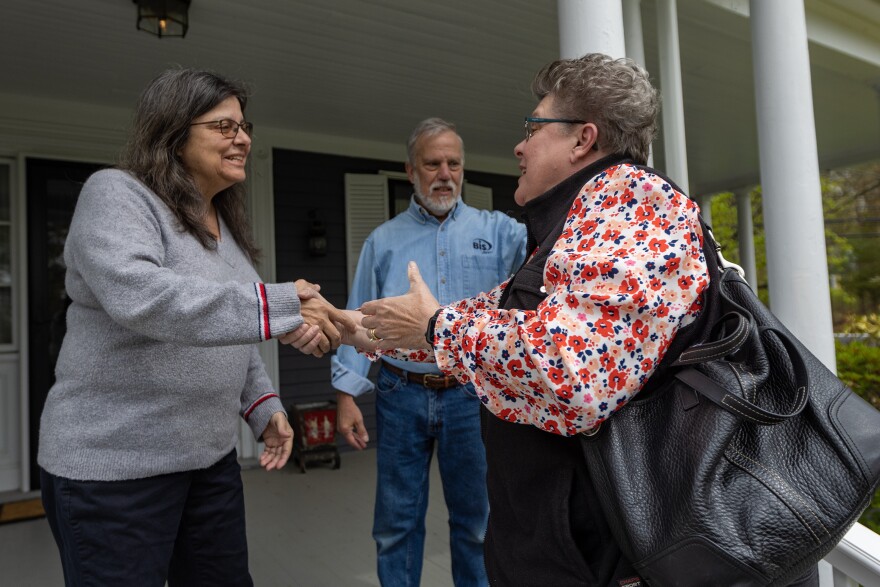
(400, 191)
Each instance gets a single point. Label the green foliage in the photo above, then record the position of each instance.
(842, 302)
(851, 207)
(869, 324)
(858, 365)
(725, 227)
(871, 517)
(863, 277)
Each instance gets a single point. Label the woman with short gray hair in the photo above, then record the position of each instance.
(616, 275)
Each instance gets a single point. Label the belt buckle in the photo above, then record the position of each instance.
(433, 381)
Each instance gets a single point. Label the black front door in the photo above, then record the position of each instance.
(52, 189)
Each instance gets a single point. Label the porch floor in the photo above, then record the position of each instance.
(304, 530)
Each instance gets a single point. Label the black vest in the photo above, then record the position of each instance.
(545, 524)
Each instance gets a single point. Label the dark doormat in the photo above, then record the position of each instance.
(18, 511)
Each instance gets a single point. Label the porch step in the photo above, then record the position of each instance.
(21, 510)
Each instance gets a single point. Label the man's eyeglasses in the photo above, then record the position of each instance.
(533, 125)
(229, 128)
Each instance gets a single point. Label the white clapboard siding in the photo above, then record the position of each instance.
(477, 196)
(366, 207)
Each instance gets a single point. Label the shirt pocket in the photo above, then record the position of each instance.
(479, 273)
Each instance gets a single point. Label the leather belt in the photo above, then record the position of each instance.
(429, 380)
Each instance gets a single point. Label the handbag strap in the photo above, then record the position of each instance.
(726, 345)
(743, 408)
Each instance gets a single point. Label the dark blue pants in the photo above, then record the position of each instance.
(185, 527)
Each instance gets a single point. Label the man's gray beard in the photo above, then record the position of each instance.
(434, 207)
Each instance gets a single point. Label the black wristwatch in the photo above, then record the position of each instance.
(429, 333)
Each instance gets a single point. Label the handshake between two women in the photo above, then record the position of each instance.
(384, 324)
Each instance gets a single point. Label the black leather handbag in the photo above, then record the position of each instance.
(747, 461)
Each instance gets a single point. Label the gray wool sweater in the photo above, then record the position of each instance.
(159, 360)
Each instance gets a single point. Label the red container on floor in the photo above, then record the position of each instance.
(314, 427)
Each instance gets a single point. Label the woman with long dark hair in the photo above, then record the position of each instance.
(140, 478)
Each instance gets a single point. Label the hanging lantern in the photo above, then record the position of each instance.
(163, 18)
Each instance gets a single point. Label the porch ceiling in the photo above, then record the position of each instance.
(370, 69)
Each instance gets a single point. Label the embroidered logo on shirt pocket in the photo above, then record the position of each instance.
(482, 245)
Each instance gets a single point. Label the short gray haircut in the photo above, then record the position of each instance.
(430, 127)
(614, 94)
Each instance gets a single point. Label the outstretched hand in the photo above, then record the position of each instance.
(400, 321)
(278, 439)
(323, 324)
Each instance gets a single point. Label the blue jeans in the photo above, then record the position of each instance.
(411, 421)
(187, 528)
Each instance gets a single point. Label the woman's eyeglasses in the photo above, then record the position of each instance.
(229, 128)
(533, 125)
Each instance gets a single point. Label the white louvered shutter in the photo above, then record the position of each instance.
(366, 207)
(477, 196)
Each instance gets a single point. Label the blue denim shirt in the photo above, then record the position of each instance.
(470, 252)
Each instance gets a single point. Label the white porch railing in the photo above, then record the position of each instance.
(855, 561)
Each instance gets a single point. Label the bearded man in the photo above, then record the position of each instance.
(461, 251)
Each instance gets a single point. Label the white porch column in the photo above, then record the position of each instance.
(705, 204)
(674, 142)
(590, 26)
(746, 232)
(635, 41)
(796, 259)
(632, 26)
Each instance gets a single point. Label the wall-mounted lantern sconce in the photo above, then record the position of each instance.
(163, 18)
(317, 236)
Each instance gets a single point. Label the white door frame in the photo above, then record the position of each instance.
(11, 438)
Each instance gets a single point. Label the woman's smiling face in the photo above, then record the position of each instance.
(544, 159)
(216, 162)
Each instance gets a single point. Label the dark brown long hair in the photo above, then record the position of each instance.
(160, 129)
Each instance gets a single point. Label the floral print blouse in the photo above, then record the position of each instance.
(625, 274)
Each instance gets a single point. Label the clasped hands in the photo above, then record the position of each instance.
(323, 327)
(397, 322)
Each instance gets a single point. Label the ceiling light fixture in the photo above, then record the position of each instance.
(163, 18)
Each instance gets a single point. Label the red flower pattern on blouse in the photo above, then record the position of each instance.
(626, 273)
